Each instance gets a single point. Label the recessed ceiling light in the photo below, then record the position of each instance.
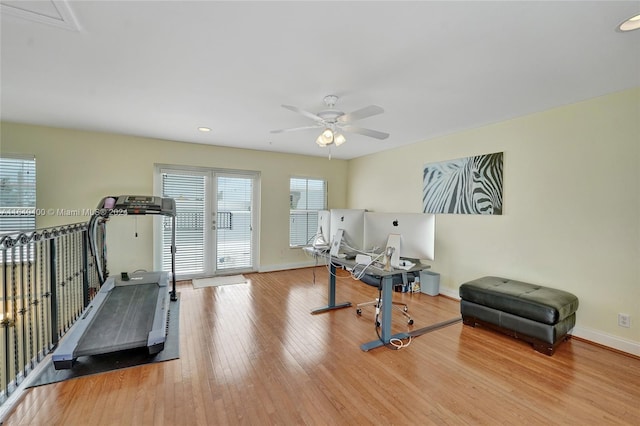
(630, 24)
(204, 129)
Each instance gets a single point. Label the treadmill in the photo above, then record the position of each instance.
(131, 310)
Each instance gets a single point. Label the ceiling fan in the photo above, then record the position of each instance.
(334, 121)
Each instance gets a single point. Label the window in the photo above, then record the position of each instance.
(17, 193)
(306, 197)
(188, 190)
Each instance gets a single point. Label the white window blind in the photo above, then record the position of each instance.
(233, 230)
(306, 197)
(189, 193)
(17, 193)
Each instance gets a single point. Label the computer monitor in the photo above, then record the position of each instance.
(416, 230)
(323, 232)
(351, 221)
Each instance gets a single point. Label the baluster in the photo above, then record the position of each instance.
(30, 307)
(46, 282)
(37, 319)
(67, 283)
(85, 270)
(22, 348)
(64, 257)
(44, 295)
(14, 316)
(6, 322)
(53, 288)
(77, 271)
(62, 288)
(74, 273)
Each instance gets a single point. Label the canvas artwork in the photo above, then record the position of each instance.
(471, 185)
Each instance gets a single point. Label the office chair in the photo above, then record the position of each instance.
(376, 281)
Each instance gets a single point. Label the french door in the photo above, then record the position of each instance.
(216, 221)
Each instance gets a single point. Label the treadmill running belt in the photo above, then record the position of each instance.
(123, 322)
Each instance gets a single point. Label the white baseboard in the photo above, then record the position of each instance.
(595, 336)
(450, 293)
(284, 267)
(605, 339)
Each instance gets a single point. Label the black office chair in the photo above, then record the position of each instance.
(376, 281)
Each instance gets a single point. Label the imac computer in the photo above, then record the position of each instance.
(416, 231)
(351, 222)
(323, 237)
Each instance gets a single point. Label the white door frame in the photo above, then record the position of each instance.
(210, 204)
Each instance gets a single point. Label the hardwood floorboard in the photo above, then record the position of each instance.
(253, 354)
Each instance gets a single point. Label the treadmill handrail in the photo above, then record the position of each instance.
(167, 207)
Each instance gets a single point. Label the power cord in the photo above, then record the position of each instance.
(394, 342)
(316, 258)
(357, 275)
(399, 344)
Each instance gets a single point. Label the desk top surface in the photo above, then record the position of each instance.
(371, 270)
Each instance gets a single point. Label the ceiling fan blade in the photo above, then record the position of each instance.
(367, 132)
(293, 129)
(365, 112)
(303, 112)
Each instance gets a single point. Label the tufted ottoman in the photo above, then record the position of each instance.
(540, 315)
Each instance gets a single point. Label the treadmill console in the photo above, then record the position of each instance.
(145, 204)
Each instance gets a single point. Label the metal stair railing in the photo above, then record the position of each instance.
(47, 278)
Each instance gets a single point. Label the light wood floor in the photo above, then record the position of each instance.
(252, 354)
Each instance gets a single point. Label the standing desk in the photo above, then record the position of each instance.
(387, 294)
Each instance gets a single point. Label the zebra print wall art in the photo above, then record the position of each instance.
(471, 185)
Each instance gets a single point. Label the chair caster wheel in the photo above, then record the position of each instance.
(406, 309)
(410, 322)
(377, 323)
(359, 311)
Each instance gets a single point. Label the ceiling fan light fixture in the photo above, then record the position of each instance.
(321, 142)
(333, 121)
(325, 138)
(328, 137)
(630, 24)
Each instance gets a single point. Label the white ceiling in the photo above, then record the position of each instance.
(160, 69)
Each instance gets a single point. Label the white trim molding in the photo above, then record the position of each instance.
(590, 335)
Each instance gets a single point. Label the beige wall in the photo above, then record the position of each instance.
(75, 169)
(571, 199)
(571, 207)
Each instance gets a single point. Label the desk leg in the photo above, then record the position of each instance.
(331, 295)
(385, 327)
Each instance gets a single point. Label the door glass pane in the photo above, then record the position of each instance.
(233, 222)
(189, 193)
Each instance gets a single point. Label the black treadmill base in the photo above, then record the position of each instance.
(63, 365)
(154, 349)
(123, 358)
(138, 354)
